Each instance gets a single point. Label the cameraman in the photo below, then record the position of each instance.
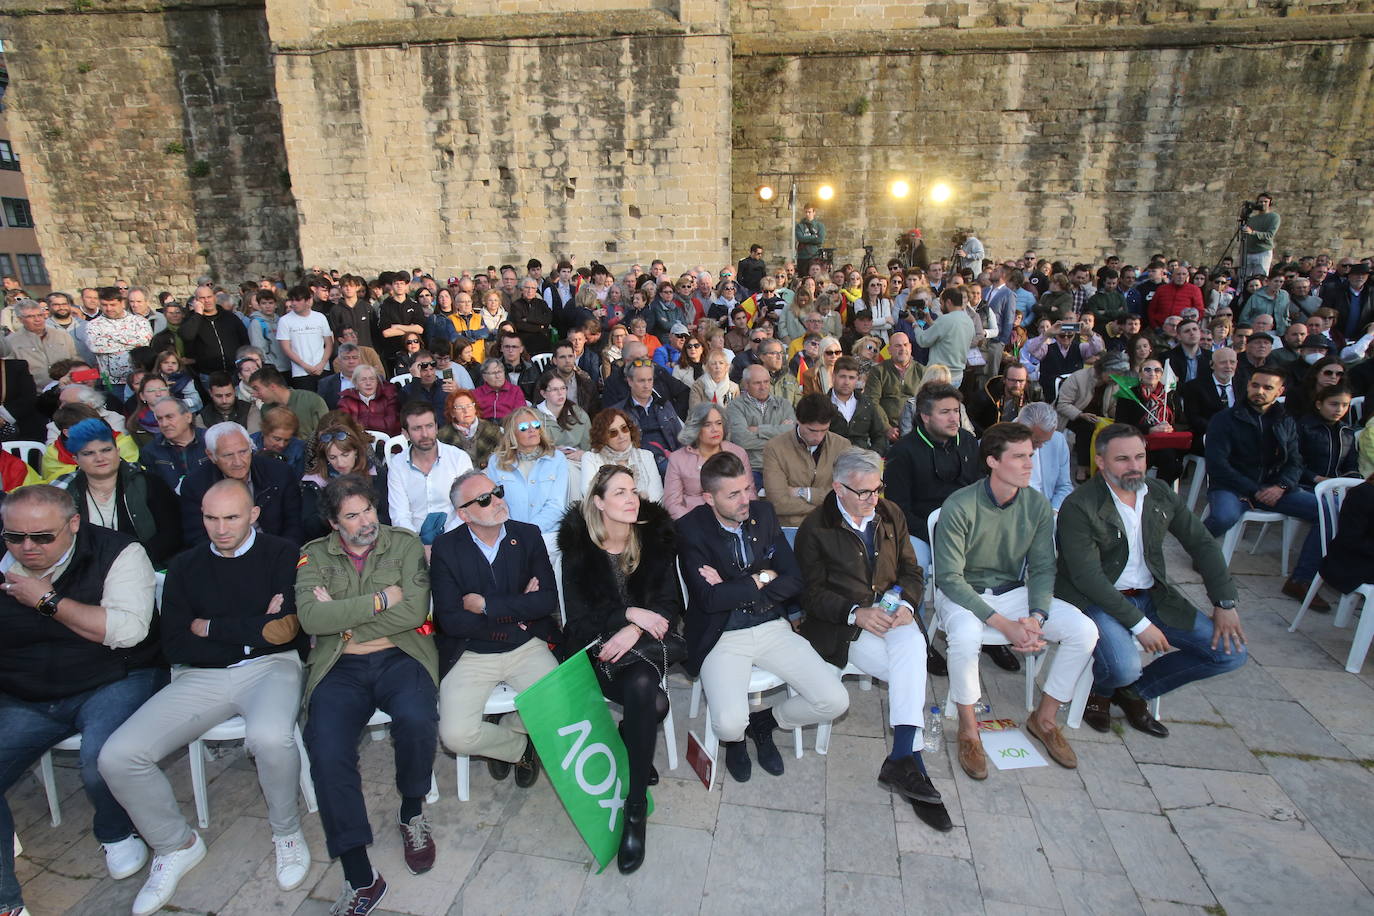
(1261, 225)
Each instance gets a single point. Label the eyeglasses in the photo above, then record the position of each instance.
(833, 352)
(693, 345)
(424, 365)
(617, 430)
(485, 499)
(38, 537)
(639, 364)
(1149, 371)
(529, 425)
(336, 436)
(862, 494)
(757, 340)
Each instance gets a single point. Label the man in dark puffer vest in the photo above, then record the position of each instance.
(79, 656)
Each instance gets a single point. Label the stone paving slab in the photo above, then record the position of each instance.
(1260, 801)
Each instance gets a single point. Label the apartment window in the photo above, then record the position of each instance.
(31, 270)
(17, 212)
(8, 159)
(7, 265)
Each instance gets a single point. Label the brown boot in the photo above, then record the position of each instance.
(1298, 591)
(1098, 713)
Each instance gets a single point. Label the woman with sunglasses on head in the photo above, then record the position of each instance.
(373, 403)
(819, 379)
(615, 440)
(112, 493)
(341, 447)
(533, 473)
(620, 585)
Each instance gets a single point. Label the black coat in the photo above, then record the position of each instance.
(591, 608)
(1349, 560)
(276, 491)
(211, 342)
(1179, 363)
(1202, 402)
(705, 543)
(918, 478)
(1328, 449)
(1246, 450)
(513, 616)
(20, 399)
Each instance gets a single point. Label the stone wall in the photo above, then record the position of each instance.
(417, 145)
(1077, 152)
(152, 145)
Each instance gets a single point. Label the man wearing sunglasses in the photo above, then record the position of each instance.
(494, 602)
(425, 384)
(851, 550)
(75, 608)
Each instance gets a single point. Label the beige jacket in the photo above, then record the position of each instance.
(788, 466)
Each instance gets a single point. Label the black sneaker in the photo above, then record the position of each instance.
(527, 767)
(737, 760)
(761, 725)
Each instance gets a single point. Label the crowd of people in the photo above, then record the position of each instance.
(398, 495)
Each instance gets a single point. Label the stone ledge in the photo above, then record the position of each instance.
(19, 8)
(1074, 38)
(461, 29)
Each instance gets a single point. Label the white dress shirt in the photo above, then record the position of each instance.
(1136, 574)
(412, 494)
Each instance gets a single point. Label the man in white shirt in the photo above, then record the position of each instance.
(419, 476)
(305, 338)
(1111, 564)
(1050, 471)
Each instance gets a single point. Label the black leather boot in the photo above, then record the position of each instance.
(631, 854)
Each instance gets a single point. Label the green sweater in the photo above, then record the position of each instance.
(397, 559)
(980, 545)
(1266, 226)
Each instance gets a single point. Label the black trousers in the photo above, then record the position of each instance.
(645, 704)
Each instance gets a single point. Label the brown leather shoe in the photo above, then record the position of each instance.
(1298, 591)
(1055, 744)
(972, 758)
(1098, 713)
(1137, 713)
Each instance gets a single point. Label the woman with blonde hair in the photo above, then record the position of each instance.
(533, 472)
(819, 379)
(493, 312)
(714, 386)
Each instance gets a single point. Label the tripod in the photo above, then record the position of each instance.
(868, 260)
(1235, 237)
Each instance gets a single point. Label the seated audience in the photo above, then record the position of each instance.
(1051, 474)
(277, 438)
(797, 464)
(373, 403)
(615, 440)
(702, 436)
(464, 428)
(276, 489)
(533, 474)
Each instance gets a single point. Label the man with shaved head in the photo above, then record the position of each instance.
(229, 625)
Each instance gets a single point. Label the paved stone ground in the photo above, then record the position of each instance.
(1261, 800)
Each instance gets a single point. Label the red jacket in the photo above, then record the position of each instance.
(1170, 299)
(383, 414)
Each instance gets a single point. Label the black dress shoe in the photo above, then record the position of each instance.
(631, 854)
(737, 760)
(1137, 712)
(1098, 713)
(527, 768)
(498, 769)
(1003, 657)
(936, 816)
(936, 664)
(761, 725)
(905, 778)
(653, 775)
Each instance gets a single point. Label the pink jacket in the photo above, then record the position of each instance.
(493, 404)
(682, 482)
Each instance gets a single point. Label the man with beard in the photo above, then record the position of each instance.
(363, 592)
(1117, 577)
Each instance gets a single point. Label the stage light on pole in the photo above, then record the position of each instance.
(900, 188)
(766, 192)
(940, 192)
(825, 192)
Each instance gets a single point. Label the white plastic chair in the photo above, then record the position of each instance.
(501, 701)
(377, 724)
(1356, 415)
(378, 437)
(49, 778)
(541, 361)
(760, 682)
(394, 444)
(1199, 465)
(1083, 687)
(1330, 494)
(236, 729)
(30, 452)
(1263, 517)
(823, 730)
(403, 379)
(1031, 662)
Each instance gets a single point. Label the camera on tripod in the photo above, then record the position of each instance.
(1247, 207)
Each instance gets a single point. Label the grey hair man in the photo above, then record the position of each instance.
(1051, 473)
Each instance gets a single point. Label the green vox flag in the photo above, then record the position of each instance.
(566, 715)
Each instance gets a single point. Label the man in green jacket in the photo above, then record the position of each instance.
(363, 592)
(1113, 530)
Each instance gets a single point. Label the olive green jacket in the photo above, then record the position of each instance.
(398, 559)
(1093, 552)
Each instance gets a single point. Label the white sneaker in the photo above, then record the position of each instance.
(125, 857)
(163, 877)
(22, 911)
(293, 860)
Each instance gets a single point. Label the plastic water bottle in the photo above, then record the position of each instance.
(981, 709)
(934, 731)
(891, 600)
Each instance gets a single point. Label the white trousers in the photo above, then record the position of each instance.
(1067, 625)
(899, 658)
(775, 648)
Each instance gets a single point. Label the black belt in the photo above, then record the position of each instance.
(1133, 592)
(1007, 587)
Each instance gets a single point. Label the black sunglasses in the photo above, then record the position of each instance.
(425, 365)
(336, 436)
(485, 499)
(38, 537)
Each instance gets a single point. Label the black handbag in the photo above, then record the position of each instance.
(661, 654)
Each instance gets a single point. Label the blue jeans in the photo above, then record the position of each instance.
(1116, 660)
(1226, 508)
(339, 707)
(30, 729)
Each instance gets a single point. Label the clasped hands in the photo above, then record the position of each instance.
(1023, 634)
(641, 620)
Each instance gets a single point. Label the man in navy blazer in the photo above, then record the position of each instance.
(742, 582)
(276, 488)
(495, 598)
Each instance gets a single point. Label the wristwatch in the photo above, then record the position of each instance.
(1040, 615)
(1228, 605)
(47, 605)
(767, 576)
(853, 616)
